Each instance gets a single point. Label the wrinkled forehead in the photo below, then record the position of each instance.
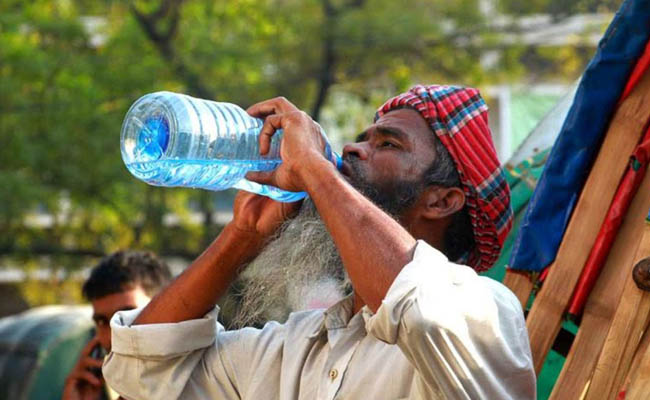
(408, 121)
(382, 114)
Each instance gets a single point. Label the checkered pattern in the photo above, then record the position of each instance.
(458, 116)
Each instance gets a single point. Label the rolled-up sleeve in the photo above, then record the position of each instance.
(165, 361)
(462, 333)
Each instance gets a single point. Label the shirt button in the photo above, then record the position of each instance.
(333, 374)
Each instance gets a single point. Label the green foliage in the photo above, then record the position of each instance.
(69, 70)
(558, 8)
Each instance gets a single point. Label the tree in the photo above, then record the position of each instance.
(69, 70)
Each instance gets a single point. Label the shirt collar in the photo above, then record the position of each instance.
(336, 317)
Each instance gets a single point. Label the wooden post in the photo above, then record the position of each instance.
(633, 373)
(601, 305)
(625, 333)
(625, 130)
(521, 283)
(639, 386)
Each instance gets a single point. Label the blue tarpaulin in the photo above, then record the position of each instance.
(579, 140)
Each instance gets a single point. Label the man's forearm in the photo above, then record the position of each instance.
(197, 289)
(373, 246)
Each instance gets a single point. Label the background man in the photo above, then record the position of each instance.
(124, 280)
(415, 325)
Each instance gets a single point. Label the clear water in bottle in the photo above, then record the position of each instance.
(170, 139)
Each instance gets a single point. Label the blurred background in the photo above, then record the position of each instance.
(69, 70)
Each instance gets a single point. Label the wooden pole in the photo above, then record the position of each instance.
(625, 130)
(625, 333)
(633, 373)
(639, 386)
(521, 283)
(601, 305)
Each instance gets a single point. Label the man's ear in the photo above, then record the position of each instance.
(440, 202)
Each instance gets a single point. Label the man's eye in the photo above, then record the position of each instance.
(388, 144)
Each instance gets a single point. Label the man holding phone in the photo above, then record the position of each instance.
(124, 280)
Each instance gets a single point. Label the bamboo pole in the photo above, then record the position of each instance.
(625, 333)
(625, 130)
(601, 305)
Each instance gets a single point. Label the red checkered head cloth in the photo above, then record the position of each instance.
(458, 117)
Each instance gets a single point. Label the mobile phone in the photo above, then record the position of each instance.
(97, 353)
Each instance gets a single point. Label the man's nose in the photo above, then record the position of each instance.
(359, 150)
(104, 336)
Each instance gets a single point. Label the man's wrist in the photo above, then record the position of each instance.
(244, 238)
(314, 173)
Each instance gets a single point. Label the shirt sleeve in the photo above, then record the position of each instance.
(168, 361)
(461, 332)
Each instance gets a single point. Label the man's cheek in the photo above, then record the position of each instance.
(357, 175)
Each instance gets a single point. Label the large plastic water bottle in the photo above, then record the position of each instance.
(171, 139)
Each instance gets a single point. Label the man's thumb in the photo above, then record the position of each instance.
(261, 177)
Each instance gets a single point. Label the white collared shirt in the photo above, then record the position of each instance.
(442, 332)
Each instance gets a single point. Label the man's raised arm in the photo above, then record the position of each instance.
(197, 289)
(357, 226)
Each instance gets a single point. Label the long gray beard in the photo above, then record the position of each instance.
(299, 269)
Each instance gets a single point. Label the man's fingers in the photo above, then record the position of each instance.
(84, 376)
(271, 124)
(262, 177)
(88, 348)
(273, 106)
(90, 362)
(89, 378)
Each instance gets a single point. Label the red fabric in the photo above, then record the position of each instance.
(606, 235)
(639, 69)
(458, 117)
(544, 274)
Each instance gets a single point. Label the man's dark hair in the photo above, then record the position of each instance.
(459, 237)
(125, 270)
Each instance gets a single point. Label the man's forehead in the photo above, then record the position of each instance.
(402, 116)
(406, 120)
(130, 298)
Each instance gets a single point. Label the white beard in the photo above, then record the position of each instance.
(299, 269)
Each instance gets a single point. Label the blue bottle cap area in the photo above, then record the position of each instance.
(152, 139)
